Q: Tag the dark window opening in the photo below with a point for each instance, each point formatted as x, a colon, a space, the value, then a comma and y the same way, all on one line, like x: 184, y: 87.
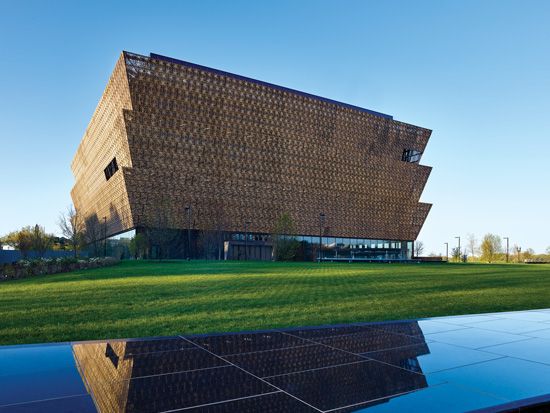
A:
x: 111, y: 169
x: 411, y: 155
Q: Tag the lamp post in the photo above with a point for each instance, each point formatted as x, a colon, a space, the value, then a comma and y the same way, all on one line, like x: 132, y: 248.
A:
x: 104, y: 237
x: 246, y: 224
x: 447, y: 250
x: 321, y: 224
x: 188, y: 211
x: 507, y: 247
x: 459, y: 250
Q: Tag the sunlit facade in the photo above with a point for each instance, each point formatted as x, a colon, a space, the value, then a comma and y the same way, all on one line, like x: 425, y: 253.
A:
x: 217, y: 159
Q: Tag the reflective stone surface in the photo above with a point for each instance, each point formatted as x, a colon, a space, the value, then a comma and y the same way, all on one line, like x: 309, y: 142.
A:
x: 71, y: 404
x: 475, y: 338
x: 246, y: 343
x: 349, y: 385
x: 35, y: 373
x: 506, y: 378
x: 488, y: 362
x: 370, y: 341
x: 429, y: 359
x: 289, y: 360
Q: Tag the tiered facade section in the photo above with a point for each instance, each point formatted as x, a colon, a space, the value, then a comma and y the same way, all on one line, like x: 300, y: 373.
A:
x: 239, y: 150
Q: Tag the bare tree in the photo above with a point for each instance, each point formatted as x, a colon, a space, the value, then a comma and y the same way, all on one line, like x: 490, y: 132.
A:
x: 419, y: 248
x: 472, y: 244
x: 72, y: 227
x: 528, y: 254
x: 455, y: 253
x: 93, y: 234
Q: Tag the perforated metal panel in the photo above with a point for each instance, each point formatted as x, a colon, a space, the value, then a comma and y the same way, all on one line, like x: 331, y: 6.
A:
x: 188, y: 135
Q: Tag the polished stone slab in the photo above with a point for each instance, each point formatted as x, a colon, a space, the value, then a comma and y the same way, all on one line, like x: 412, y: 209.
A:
x: 467, y: 319
x: 246, y: 343
x: 505, y: 378
x: 71, y: 404
x: 539, y: 333
x: 289, y: 360
x: 537, y: 316
x: 278, y: 402
x: 325, y: 332
x: 513, y: 326
x: 476, y: 338
x: 430, y: 358
x: 446, y: 397
x: 487, y: 362
x: 180, y: 390
x: 369, y: 341
x: 426, y: 327
x: 351, y: 384
x: 35, y: 373
x: 535, y: 349
x: 148, y: 364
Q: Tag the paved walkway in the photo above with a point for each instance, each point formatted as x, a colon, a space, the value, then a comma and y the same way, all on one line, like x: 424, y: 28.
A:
x: 490, y: 362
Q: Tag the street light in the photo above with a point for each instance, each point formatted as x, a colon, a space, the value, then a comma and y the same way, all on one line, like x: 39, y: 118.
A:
x: 104, y: 237
x: 507, y: 247
x: 459, y: 250
x: 321, y: 224
x: 447, y: 250
x: 246, y: 224
x: 188, y: 211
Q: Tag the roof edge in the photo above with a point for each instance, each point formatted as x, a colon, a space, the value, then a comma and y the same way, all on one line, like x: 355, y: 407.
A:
x: 267, y: 84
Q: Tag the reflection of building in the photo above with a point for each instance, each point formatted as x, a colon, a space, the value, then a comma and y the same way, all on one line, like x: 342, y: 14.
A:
x: 240, y: 152
x: 101, y: 371
x: 161, y: 374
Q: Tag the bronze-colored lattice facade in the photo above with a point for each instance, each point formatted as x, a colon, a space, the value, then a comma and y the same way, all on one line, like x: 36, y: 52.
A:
x: 246, y: 150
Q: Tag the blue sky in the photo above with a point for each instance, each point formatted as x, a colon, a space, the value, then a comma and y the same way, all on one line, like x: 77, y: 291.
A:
x: 475, y: 72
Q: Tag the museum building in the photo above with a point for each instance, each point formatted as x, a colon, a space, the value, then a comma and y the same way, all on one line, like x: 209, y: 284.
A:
x: 206, y: 163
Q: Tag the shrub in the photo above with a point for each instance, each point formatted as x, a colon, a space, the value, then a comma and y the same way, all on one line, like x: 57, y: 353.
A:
x: 44, y: 266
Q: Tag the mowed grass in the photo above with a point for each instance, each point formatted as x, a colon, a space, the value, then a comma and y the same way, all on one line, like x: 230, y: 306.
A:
x: 135, y: 299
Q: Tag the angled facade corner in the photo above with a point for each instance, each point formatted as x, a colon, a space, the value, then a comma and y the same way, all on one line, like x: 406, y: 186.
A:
x: 105, y: 142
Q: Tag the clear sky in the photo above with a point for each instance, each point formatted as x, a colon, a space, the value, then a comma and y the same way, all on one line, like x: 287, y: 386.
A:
x: 475, y: 72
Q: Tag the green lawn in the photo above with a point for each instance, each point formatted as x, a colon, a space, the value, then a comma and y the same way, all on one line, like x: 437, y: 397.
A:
x: 136, y: 299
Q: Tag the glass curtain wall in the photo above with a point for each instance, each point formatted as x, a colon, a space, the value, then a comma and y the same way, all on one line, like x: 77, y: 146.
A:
x: 337, y: 248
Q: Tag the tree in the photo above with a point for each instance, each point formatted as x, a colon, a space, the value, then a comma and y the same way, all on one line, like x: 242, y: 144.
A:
x: 491, y: 246
x: 93, y: 235
x: 419, y: 248
x: 455, y: 254
x: 138, y: 246
x: 472, y: 244
x: 285, y: 244
x: 41, y: 242
x: 72, y: 227
x: 528, y: 253
x: 21, y: 240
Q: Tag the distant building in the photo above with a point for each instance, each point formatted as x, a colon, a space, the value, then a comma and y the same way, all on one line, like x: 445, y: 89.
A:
x: 218, y: 158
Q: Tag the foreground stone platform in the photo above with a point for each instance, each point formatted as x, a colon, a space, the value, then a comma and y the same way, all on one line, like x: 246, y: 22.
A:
x: 487, y: 362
